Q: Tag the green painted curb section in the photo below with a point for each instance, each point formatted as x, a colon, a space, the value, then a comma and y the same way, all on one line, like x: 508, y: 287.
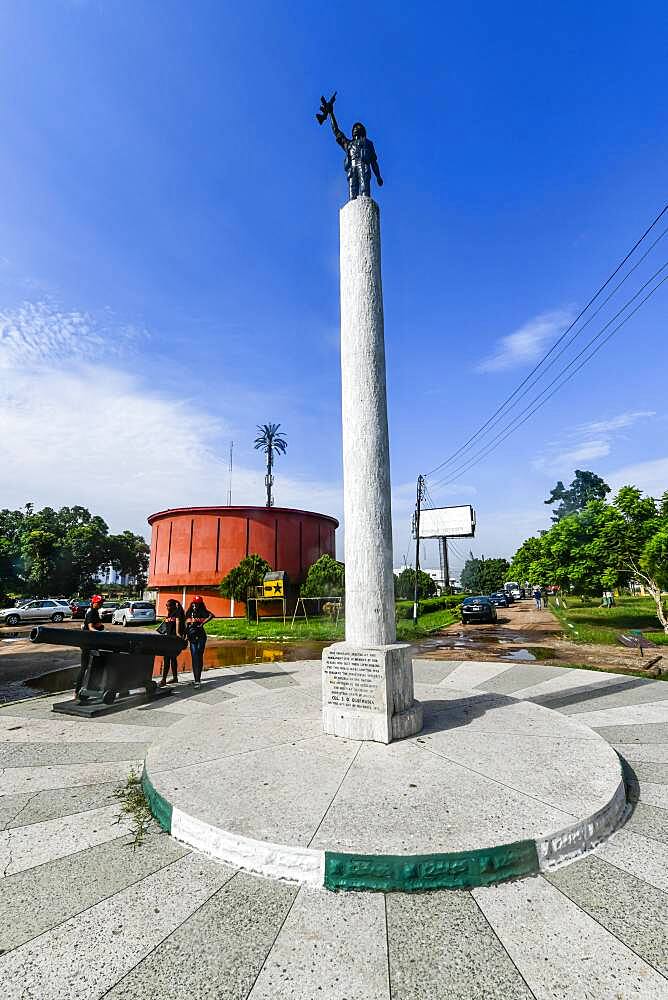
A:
x: 161, y: 808
x: 422, y: 872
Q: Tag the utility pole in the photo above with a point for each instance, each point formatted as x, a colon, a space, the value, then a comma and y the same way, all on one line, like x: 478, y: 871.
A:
x: 418, y: 505
x: 445, y: 567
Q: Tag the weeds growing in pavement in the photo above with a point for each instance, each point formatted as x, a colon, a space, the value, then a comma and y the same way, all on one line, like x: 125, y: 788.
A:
x: 133, y: 804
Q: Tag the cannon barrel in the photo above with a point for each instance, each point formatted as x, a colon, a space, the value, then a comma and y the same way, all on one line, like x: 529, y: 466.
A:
x: 151, y: 643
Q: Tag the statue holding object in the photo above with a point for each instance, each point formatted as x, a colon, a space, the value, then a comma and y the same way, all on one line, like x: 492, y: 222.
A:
x: 361, y: 156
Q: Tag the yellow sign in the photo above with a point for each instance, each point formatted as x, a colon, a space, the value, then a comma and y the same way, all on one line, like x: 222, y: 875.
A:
x: 273, y: 588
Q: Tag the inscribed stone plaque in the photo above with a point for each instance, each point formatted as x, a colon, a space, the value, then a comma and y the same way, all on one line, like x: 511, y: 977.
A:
x: 355, y: 679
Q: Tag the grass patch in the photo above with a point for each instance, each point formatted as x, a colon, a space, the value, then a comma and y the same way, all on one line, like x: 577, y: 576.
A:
x: 319, y: 629
x: 584, y: 623
x: 133, y: 804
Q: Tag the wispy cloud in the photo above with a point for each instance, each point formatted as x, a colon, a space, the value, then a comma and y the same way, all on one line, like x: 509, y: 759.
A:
x: 588, y: 441
x: 39, y: 334
x: 527, y: 343
x: 651, y: 477
x: 100, y: 436
x: 617, y: 423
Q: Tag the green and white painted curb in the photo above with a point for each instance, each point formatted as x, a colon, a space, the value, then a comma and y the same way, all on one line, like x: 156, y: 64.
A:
x: 390, y: 873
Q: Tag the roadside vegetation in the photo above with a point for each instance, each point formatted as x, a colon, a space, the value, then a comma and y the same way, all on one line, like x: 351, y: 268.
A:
x: 322, y: 629
x: 596, y: 545
x: 586, y: 620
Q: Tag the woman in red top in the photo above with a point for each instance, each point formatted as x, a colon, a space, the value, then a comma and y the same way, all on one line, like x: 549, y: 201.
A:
x: 197, y: 616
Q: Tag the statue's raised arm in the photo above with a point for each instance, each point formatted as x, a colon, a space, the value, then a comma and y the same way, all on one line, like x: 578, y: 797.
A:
x: 361, y: 156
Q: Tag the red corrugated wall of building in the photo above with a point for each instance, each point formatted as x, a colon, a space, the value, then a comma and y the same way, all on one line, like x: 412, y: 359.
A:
x: 193, y: 548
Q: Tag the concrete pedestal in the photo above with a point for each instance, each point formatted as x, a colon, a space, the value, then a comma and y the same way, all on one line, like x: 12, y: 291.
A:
x: 367, y: 692
x: 368, y: 679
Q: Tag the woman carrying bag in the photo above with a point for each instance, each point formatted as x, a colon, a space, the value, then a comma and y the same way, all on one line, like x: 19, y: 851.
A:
x: 174, y: 624
x: 196, y: 618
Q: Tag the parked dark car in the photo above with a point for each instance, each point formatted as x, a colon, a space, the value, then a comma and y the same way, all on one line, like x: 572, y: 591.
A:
x: 79, y: 608
x: 477, y: 609
x: 499, y: 600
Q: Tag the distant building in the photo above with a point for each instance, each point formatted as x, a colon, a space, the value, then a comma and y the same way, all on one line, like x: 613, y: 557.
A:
x: 193, y: 548
x: 436, y: 576
x: 108, y: 576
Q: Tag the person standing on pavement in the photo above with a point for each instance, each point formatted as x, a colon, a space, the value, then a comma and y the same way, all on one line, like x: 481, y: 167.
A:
x: 543, y: 594
x: 538, y: 598
x: 91, y: 623
x: 197, y: 616
x: 175, y: 624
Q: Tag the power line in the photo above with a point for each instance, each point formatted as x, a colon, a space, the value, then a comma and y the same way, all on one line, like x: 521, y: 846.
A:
x: 536, y: 367
x: 509, y: 429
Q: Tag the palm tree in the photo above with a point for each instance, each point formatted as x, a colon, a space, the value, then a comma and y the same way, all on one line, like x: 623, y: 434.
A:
x: 270, y: 440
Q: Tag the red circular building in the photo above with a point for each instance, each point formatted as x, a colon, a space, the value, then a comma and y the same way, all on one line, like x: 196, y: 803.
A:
x: 193, y: 548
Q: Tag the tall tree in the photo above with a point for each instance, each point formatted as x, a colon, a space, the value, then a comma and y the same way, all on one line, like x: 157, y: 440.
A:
x: 325, y: 578
x: 128, y: 554
x: 585, y: 487
x: 404, y: 585
x: 244, y: 577
x: 604, y: 545
x: 484, y: 576
x: 270, y: 440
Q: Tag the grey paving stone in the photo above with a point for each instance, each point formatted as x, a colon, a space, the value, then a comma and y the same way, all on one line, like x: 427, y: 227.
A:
x: 84, y: 957
x: 521, y: 676
x: 50, y: 754
x: 276, y: 680
x: 657, y: 773
x: 206, y: 696
x: 33, y: 901
x: 441, y: 946
x: 218, y: 952
x: 648, y: 732
x: 634, y: 911
x: 331, y: 946
x: 635, y: 691
x: 160, y: 718
x: 560, y: 950
x: 37, y: 807
x: 433, y: 671
x: 650, y: 821
x: 586, y: 693
x: 10, y: 805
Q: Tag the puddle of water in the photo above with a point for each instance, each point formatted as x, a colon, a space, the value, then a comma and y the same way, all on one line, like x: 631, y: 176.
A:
x: 216, y: 655
x: 519, y: 654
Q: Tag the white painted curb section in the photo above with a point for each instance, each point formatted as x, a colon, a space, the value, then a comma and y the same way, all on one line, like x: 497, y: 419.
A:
x: 296, y: 864
x: 582, y: 837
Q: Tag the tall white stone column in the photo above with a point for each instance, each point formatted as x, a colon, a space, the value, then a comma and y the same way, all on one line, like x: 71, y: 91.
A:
x: 368, y: 679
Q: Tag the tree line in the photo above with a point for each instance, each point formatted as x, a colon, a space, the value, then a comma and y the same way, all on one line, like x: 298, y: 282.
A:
x: 54, y: 552
x: 596, y: 543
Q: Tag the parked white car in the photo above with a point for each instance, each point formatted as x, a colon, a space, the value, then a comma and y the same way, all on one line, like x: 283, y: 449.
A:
x: 34, y: 611
x: 134, y: 613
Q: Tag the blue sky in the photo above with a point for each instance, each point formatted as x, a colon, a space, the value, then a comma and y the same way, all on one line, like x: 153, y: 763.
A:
x: 169, y: 246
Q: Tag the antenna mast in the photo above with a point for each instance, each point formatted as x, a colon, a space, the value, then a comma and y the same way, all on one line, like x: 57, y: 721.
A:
x: 229, y: 490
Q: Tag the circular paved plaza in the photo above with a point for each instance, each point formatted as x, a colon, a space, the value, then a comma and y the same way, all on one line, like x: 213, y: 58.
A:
x: 84, y: 914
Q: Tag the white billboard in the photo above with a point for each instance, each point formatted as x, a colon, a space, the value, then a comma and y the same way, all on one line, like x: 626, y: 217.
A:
x: 448, y: 522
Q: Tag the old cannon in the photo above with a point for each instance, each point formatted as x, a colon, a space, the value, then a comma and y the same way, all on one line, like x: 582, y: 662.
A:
x: 112, y: 662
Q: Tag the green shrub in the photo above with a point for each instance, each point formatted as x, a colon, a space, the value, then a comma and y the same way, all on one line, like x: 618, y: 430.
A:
x: 428, y: 605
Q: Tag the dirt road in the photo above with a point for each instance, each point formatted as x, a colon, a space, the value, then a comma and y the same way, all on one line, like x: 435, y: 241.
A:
x: 523, y: 633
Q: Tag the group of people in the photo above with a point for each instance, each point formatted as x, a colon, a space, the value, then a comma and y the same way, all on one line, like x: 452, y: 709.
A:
x: 188, y: 625
x: 540, y: 596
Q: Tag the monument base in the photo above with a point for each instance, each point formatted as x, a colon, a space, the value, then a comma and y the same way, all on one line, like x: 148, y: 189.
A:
x: 367, y: 692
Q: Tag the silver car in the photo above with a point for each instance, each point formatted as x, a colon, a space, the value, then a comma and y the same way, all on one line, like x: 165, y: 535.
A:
x: 34, y: 611
x: 134, y: 613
